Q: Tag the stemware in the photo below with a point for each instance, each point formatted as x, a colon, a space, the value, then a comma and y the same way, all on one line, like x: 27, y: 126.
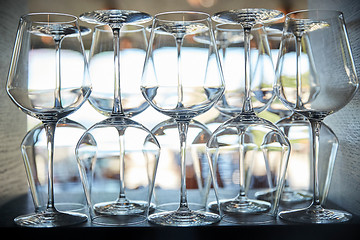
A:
x: 231, y: 135
x: 168, y: 177
x: 296, y: 127
x: 337, y: 84
x: 182, y: 78
x: 230, y: 40
x: 66, y: 175
x: 118, y: 52
x: 133, y: 43
x: 48, y: 88
x: 297, y: 187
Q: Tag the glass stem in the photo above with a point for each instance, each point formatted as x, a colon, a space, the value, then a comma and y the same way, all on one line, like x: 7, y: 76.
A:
x: 183, y: 129
x: 298, y: 72
x: 122, y: 197
x: 50, y: 134
x: 242, y: 193
x: 117, y: 108
x: 57, y: 93
x: 179, y: 41
x: 315, y: 143
x: 247, y: 107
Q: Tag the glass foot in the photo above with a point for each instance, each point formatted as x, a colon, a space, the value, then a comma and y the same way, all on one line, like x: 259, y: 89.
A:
x: 315, y: 214
x: 184, y: 218
x: 50, y: 219
x: 122, y: 208
x: 244, y: 212
x: 288, y: 196
x: 243, y: 206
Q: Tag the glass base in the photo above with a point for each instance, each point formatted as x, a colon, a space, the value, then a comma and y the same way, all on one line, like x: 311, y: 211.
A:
x: 50, y: 219
x: 247, y: 211
x: 175, y: 205
x: 122, y: 208
x: 315, y: 214
x: 287, y: 196
x: 188, y: 218
x: 247, y: 206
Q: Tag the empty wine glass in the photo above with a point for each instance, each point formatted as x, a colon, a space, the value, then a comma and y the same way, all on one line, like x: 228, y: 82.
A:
x: 123, y: 51
x: 231, y: 135
x: 182, y: 78
x: 133, y: 44
x: 296, y: 127
x: 49, y: 88
x: 66, y: 175
x: 230, y: 40
x: 337, y: 84
x: 168, y: 177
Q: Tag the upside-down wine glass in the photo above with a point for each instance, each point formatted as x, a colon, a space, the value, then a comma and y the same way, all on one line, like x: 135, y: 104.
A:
x: 49, y: 92
x: 326, y: 32
x: 241, y: 208
x: 128, y: 42
x: 182, y: 78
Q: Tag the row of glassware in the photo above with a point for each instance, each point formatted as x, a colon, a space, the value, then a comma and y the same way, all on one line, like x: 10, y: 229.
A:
x: 129, y: 173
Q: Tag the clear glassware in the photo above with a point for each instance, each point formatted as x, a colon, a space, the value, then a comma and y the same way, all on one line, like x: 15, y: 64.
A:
x: 182, y: 78
x: 168, y: 175
x: 116, y: 168
x: 337, y: 84
x: 48, y: 80
x: 66, y: 175
x: 231, y: 137
x: 298, y: 187
x: 122, y: 48
x: 133, y: 44
x: 230, y: 40
x: 296, y: 127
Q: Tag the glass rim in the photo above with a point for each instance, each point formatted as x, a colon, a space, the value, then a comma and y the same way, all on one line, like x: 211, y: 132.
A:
x: 206, y: 16
x: 335, y: 12
x: 72, y: 18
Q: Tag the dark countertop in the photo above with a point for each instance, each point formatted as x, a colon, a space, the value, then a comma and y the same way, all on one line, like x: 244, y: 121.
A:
x: 277, y: 229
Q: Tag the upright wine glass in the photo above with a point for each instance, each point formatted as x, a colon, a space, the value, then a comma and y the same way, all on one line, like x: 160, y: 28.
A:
x: 337, y: 80
x: 182, y: 78
x: 231, y: 134
x: 49, y: 91
x: 117, y: 55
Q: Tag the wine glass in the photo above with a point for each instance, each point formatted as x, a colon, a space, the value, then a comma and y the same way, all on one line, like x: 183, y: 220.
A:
x: 182, y: 78
x: 168, y: 177
x: 117, y: 53
x: 66, y: 174
x: 230, y: 137
x: 133, y: 44
x: 49, y: 89
x: 337, y: 80
x: 296, y: 127
x: 230, y: 40
x: 298, y: 183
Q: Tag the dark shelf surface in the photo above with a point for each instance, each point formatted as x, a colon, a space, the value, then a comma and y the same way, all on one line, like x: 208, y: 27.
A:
x: 277, y: 229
